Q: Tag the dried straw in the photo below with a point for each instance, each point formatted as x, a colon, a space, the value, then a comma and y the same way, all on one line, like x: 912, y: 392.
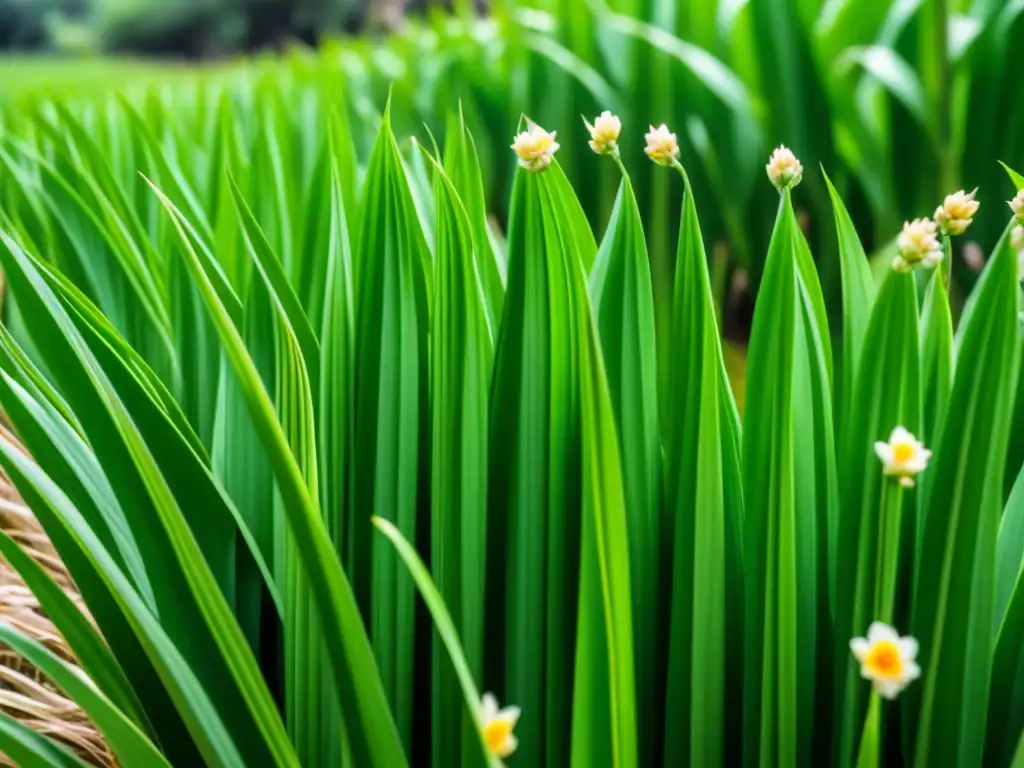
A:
x: 24, y: 693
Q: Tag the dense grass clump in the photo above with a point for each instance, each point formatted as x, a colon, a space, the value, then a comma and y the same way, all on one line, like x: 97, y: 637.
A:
x: 329, y: 451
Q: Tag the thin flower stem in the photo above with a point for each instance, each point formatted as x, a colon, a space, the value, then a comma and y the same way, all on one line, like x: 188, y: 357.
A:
x: 947, y: 259
x: 618, y: 162
x: 868, y: 756
x: 682, y: 172
x: 889, y: 521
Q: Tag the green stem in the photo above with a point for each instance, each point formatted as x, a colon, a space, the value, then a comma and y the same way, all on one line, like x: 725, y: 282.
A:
x: 618, y: 162
x: 940, y: 29
x: 888, y: 549
x: 870, y: 738
x: 947, y: 259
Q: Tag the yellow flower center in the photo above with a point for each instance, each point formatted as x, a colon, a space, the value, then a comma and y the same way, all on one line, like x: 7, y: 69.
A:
x: 883, y: 660
x: 495, y: 733
x: 902, y: 453
x: 536, y: 146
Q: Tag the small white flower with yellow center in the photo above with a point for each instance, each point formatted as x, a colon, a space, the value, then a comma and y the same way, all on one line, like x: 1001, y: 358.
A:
x: 604, y: 133
x: 886, y: 659
x: 903, y: 456
x: 535, y: 148
x: 784, y: 170
x: 918, y: 244
x: 1017, y: 205
x: 956, y: 213
x: 662, y: 146
x: 498, y: 725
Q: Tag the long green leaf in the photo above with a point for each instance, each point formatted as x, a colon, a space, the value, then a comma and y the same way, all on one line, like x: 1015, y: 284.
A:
x: 462, y: 354
x: 859, y: 291
x: 392, y: 280
x: 960, y: 524
x: 534, y: 469
x: 446, y: 630
x: 126, y: 741
x: 784, y: 542
x: 886, y: 394
x: 30, y: 750
x: 355, y: 674
x: 83, y: 639
x: 623, y: 301
x: 702, y: 531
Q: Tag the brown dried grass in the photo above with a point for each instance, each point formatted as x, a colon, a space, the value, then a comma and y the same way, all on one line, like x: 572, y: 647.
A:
x: 24, y: 693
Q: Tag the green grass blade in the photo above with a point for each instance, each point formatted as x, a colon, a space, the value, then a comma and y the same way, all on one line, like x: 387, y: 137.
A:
x: 960, y: 528
x: 393, y: 290
x: 462, y: 165
x: 447, y: 632
x: 937, y: 363
x: 126, y: 741
x: 604, y: 723
x: 88, y: 558
x: 702, y: 530
x: 30, y: 750
x: 623, y: 302
x: 886, y: 394
x: 374, y: 738
x: 185, y: 586
x: 535, y: 472
x: 784, y: 547
x: 462, y: 354
x: 859, y: 291
x: 86, y: 643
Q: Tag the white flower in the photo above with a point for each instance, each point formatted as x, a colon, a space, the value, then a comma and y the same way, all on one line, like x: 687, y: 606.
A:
x: 918, y: 245
x: 784, y: 169
x: 886, y: 659
x: 498, y: 726
x: 604, y: 133
x: 1017, y: 205
x: 535, y: 148
x: 662, y: 146
x: 903, y: 456
x: 956, y: 213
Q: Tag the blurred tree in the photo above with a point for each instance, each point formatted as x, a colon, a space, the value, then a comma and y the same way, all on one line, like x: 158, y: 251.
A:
x: 193, y: 28
x: 23, y: 23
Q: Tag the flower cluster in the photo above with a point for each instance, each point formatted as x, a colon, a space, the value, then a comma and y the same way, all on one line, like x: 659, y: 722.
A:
x: 1017, y: 205
x: 918, y: 244
x: 956, y: 213
x: 662, y: 146
x: 784, y: 170
x: 535, y: 148
x: 604, y: 133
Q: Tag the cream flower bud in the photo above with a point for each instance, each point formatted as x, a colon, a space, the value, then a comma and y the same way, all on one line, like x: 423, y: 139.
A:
x: 1017, y: 205
x: 662, y: 146
x: 535, y: 148
x: 784, y: 170
x: 918, y: 244
x: 604, y: 133
x: 956, y: 213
